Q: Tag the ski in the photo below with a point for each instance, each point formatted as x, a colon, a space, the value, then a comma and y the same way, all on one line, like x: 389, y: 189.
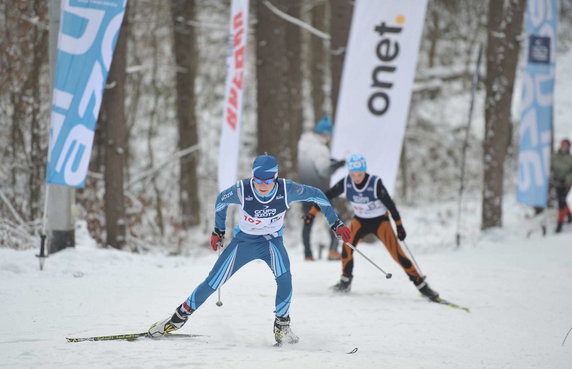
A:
x: 282, y: 344
x: 451, y: 304
x: 132, y: 337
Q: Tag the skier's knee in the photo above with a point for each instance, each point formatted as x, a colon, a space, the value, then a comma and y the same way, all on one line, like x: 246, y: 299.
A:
x: 284, y: 279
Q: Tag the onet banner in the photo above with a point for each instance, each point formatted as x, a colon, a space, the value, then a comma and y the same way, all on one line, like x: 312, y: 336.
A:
x: 376, y: 84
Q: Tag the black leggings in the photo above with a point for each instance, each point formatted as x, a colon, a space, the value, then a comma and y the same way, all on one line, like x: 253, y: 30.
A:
x: 563, y: 210
x: 307, y: 229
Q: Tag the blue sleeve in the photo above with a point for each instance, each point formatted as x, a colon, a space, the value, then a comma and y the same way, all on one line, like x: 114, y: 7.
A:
x: 297, y: 192
x: 231, y: 195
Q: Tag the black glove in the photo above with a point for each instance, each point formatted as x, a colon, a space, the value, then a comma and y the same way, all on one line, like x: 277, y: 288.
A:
x: 335, y: 164
x: 401, y: 234
x: 308, y: 218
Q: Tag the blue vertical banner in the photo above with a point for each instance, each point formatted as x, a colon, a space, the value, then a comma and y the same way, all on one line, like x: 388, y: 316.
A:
x: 86, y: 40
x: 541, y: 25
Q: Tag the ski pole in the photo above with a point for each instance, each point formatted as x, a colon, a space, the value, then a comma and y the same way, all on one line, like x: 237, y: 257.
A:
x: 413, y: 259
x: 387, y: 275
x: 219, y: 302
x: 566, y: 336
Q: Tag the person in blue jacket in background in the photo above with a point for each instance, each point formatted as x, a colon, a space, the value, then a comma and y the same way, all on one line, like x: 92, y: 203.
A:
x: 263, y: 199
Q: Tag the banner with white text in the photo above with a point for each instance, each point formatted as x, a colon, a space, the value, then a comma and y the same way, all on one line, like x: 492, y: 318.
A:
x: 86, y: 40
x: 536, y: 119
x: 376, y: 84
x: 232, y: 111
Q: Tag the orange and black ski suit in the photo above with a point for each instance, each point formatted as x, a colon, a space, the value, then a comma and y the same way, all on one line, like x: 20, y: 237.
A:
x: 379, y: 225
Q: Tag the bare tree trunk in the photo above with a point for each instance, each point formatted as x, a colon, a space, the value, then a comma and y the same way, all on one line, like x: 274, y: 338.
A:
x: 90, y: 196
x: 318, y: 62
x: 404, y: 172
x: 24, y: 54
x: 294, y: 80
x: 433, y: 34
x: 151, y: 132
x: 272, y: 91
x: 185, y: 51
x: 505, y: 26
x: 113, y: 108
x: 340, y: 20
x: 37, y: 154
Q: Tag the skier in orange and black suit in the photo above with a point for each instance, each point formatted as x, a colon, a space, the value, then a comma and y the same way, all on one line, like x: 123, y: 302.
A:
x: 371, y: 203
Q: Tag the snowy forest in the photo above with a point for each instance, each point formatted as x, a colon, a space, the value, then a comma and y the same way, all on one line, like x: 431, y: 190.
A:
x: 152, y: 178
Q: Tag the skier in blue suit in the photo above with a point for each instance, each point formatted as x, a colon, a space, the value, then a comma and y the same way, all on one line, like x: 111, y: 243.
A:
x: 263, y: 200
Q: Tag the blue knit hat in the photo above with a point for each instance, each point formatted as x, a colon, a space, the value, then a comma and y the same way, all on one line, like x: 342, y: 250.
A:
x: 356, y: 163
x: 324, y: 127
x: 265, y: 167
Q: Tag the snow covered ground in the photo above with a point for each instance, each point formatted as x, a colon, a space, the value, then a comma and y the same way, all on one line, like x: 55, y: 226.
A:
x: 518, y: 289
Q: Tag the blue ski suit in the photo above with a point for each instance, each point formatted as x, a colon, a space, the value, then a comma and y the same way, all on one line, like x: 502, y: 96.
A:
x: 258, y: 235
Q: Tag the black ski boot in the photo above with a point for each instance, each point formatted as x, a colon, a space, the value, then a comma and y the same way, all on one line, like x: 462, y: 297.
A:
x: 558, y: 228
x: 426, y: 291
x: 344, y: 285
x: 282, y: 332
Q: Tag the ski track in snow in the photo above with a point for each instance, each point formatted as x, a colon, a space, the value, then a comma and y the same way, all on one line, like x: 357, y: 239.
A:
x: 518, y: 290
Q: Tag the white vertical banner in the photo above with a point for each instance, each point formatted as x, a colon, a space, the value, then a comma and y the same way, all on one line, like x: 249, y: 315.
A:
x: 233, y: 95
x: 376, y: 84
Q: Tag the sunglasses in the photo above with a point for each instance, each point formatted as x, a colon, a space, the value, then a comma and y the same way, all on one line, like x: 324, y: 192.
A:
x: 265, y: 181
